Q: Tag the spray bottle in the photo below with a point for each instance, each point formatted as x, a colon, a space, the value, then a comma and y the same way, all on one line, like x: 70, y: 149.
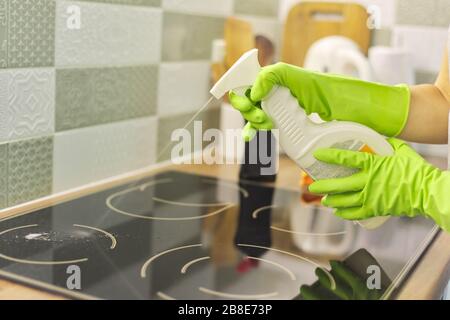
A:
x: 298, y: 135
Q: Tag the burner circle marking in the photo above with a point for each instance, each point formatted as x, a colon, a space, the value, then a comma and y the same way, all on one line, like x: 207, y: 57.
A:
x: 309, y: 233
x: 142, y: 187
x: 333, y: 282
x: 42, y: 262
x: 25, y: 261
x: 164, y: 296
x: 190, y: 263
x: 257, y: 211
x: 238, y: 296
x: 316, y: 234
x: 231, y: 295
x: 147, y: 263
x: 229, y: 205
x: 188, y: 204
x: 109, y: 235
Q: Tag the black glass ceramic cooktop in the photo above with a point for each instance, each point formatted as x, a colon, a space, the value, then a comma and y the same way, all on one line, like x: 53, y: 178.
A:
x: 183, y: 236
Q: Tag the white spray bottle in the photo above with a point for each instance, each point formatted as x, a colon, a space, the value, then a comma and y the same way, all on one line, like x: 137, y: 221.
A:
x: 298, y: 135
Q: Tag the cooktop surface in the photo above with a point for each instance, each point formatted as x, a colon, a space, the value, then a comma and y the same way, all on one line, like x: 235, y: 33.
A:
x: 181, y: 236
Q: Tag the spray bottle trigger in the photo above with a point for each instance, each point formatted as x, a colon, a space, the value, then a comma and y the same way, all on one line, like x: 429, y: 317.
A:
x: 242, y: 91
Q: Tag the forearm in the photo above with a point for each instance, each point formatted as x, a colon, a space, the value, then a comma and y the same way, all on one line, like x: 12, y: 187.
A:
x: 428, y: 116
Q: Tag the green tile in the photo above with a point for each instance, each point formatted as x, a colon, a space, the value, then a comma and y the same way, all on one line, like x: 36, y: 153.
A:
x: 416, y: 12
x: 31, y: 33
x: 3, y: 33
x: 442, y: 14
x: 268, y: 8
x: 86, y: 97
x: 381, y: 37
x: 209, y: 118
x: 423, y: 77
x: 30, y: 169
x: 189, y: 37
x: 152, y: 3
x: 3, y: 176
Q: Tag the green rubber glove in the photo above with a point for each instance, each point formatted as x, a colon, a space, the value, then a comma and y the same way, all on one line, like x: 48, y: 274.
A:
x: 252, y: 112
x: 383, y: 108
x: 402, y: 184
x: 349, y: 286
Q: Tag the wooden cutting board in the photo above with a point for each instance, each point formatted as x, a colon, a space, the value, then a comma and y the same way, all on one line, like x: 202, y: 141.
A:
x: 239, y: 38
x: 308, y: 22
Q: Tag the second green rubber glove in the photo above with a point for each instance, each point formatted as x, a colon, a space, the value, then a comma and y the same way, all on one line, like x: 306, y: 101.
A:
x: 402, y: 184
x: 383, y: 108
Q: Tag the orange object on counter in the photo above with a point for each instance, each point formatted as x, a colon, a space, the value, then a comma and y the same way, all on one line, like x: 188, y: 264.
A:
x: 306, y: 181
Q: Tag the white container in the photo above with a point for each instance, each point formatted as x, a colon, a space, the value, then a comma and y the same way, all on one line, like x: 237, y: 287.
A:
x: 298, y: 135
x: 338, y: 55
x: 392, y: 65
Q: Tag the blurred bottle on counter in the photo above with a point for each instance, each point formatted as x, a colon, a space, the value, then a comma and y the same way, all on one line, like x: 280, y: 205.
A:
x: 263, y: 141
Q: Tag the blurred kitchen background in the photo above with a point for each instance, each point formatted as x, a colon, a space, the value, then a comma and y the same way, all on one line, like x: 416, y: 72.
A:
x: 90, y: 98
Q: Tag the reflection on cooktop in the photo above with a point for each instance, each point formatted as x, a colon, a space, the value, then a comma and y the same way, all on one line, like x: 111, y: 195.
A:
x: 182, y: 236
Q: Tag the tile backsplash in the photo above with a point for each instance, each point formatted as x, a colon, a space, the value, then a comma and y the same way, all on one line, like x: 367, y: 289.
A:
x: 91, y: 96
x: 99, y: 152
x: 27, y: 100
x: 90, y: 89
x: 30, y: 169
x: 30, y: 32
x: 109, y: 35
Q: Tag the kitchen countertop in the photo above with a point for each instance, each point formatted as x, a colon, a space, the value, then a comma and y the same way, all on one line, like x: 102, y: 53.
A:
x: 427, y: 280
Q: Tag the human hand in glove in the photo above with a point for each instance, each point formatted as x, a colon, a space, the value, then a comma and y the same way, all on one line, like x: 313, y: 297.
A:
x: 401, y: 184
x: 384, y: 108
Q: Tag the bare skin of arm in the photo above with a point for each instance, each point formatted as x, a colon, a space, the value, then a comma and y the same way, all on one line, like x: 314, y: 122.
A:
x: 429, y: 107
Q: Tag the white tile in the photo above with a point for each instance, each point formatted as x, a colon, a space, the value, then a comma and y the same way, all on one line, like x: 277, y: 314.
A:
x: 86, y: 155
x: 108, y: 35
x: 426, y: 44
x: 183, y: 87
x: 207, y: 7
x: 27, y: 103
x: 387, y: 9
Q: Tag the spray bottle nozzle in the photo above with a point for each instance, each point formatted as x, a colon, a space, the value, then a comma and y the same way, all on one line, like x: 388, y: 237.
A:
x: 242, y: 74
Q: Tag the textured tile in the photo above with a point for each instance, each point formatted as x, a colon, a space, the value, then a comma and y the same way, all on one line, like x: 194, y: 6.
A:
x: 425, y: 77
x: 31, y: 33
x: 3, y: 33
x: 190, y: 81
x: 257, y: 7
x: 381, y: 37
x: 416, y: 12
x: 426, y: 44
x: 167, y: 125
x: 3, y: 175
x: 89, y: 154
x: 27, y: 103
x: 29, y: 169
x: 86, y: 97
x: 207, y: 7
x: 109, y: 35
x: 442, y: 14
x: 189, y: 37
x: 153, y: 3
